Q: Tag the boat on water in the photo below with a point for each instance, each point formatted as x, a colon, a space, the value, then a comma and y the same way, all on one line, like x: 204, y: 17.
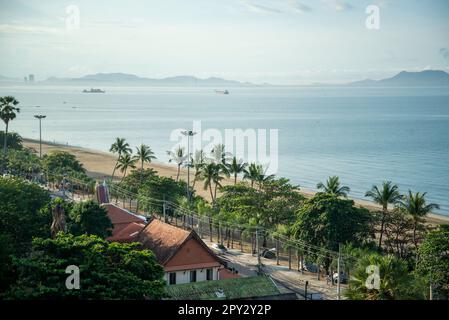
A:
x: 222, y: 91
x: 93, y: 90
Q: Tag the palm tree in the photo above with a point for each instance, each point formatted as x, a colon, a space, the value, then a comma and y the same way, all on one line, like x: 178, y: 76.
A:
x: 121, y: 147
x: 178, y: 157
x: 197, y: 162
x: 219, y: 154
x: 211, y: 174
x: 125, y: 162
x: 236, y: 167
x: 144, y: 154
x: 333, y: 187
x: 263, y: 178
x: 383, y: 277
x: 252, y: 173
x: 416, y: 206
x: 389, y: 194
x: 8, y: 112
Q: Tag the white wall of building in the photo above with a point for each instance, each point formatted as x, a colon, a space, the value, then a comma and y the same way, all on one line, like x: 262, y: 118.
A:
x: 184, y: 275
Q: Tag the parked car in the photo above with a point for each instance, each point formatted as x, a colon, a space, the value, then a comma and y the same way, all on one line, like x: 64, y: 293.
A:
x: 343, y: 278
x: 219, y: 248
x: 310, y: 267
x: 269, y: 253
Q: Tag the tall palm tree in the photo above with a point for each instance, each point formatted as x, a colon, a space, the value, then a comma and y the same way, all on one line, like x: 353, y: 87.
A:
x: 252, y: 173
x: 236, y: 167
x: 197, y: 162
x: 144, y: 154
x: 125, y: 162
x: 8, y: 112
x: 211, y: 174
x: 178, y: 157
x: 333, y: 187
x: 416, y: 206
x: 263, y: 178
x: 121, y: 147
x: 389, y: 194
x: 219, y: 154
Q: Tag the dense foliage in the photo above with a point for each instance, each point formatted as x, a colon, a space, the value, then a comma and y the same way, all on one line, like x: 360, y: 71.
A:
x: 107, y: 270
x: 395, y: 280
x: 326, y: 220
x: 21, y: 212
x: 433, y: 261
x: 89, y: 218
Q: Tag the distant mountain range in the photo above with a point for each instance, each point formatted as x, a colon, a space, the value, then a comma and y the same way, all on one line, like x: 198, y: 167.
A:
x: 427, y: 78
x: 131, y: 79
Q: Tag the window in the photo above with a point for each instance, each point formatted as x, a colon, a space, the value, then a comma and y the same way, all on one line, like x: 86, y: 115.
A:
x: 193, y: 276
x: 209, y: 274
x: 172, y: 278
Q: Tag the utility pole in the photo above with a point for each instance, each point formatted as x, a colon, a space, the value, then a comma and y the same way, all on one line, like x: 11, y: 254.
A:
x: 188, y: 134
x: 338, y: 272
x: 40, y: 117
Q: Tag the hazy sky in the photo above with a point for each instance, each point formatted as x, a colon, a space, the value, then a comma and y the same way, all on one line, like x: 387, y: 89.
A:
x: 276, y: 41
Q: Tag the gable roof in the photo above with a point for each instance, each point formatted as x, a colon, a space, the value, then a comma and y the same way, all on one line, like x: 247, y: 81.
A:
x: 127, y: 225
x: 166, y: 240
x: 119, y: 215
x: 126, y: 233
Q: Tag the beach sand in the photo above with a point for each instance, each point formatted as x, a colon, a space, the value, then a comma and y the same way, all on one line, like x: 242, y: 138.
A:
x: 99, y: 165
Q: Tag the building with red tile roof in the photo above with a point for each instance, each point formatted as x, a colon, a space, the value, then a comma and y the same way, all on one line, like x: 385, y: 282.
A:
x: 184, y: 256
x: 127, y: 225
x: 182, y: 253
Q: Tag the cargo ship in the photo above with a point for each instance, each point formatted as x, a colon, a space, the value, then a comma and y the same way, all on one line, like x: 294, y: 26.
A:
x: 92, y: 90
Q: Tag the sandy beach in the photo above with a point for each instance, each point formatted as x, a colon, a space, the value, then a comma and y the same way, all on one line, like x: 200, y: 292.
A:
x: 99, y: 165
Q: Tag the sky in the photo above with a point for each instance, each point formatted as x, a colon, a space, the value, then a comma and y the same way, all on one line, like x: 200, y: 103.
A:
x: 274, y: 41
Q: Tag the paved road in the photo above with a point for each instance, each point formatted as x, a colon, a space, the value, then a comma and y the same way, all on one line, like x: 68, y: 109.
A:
x: 288, y: 280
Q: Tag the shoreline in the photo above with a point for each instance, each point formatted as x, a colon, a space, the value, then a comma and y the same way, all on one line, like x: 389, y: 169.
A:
x: 99, y: 164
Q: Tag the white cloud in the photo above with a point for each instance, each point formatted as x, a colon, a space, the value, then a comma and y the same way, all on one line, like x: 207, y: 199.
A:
x: 258, y: 8
x: 337, y: 5
x: 298, y: 6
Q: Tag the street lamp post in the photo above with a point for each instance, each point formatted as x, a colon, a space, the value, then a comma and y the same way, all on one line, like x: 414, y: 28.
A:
x: 188, y: 133
x: 40, y: 117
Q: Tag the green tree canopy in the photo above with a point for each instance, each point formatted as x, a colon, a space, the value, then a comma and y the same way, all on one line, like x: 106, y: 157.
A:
x: 14, y: 140
x: 433, y: 261
x: 326, y: 220
x: 107, y: 270
x: 89, y: 218
x: 22, y: 212
x: 395, y: 281
x: 61, y: 162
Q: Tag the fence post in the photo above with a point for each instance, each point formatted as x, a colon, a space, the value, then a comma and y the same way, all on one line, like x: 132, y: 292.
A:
x: 289, y: 258
x: 277, y: 251
x: 241, y: 240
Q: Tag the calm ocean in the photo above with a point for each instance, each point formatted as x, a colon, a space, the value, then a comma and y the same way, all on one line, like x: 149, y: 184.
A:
x: 363, y: 135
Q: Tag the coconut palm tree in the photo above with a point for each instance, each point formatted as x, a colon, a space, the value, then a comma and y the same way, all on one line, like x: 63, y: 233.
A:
x: 219, y: 154
x: 383, y: 277
x: 8, y: 112
x: 125, y: 162
x: 389, y: 194
x: 197, y: 162
x: 236, y: 167
x: 178, y: 157
x: 144, y: 154
x: 252, y: 173
x: 211, y: 174
x: 333, y: 187
x: 121, y: 147
x: 416, y: 206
